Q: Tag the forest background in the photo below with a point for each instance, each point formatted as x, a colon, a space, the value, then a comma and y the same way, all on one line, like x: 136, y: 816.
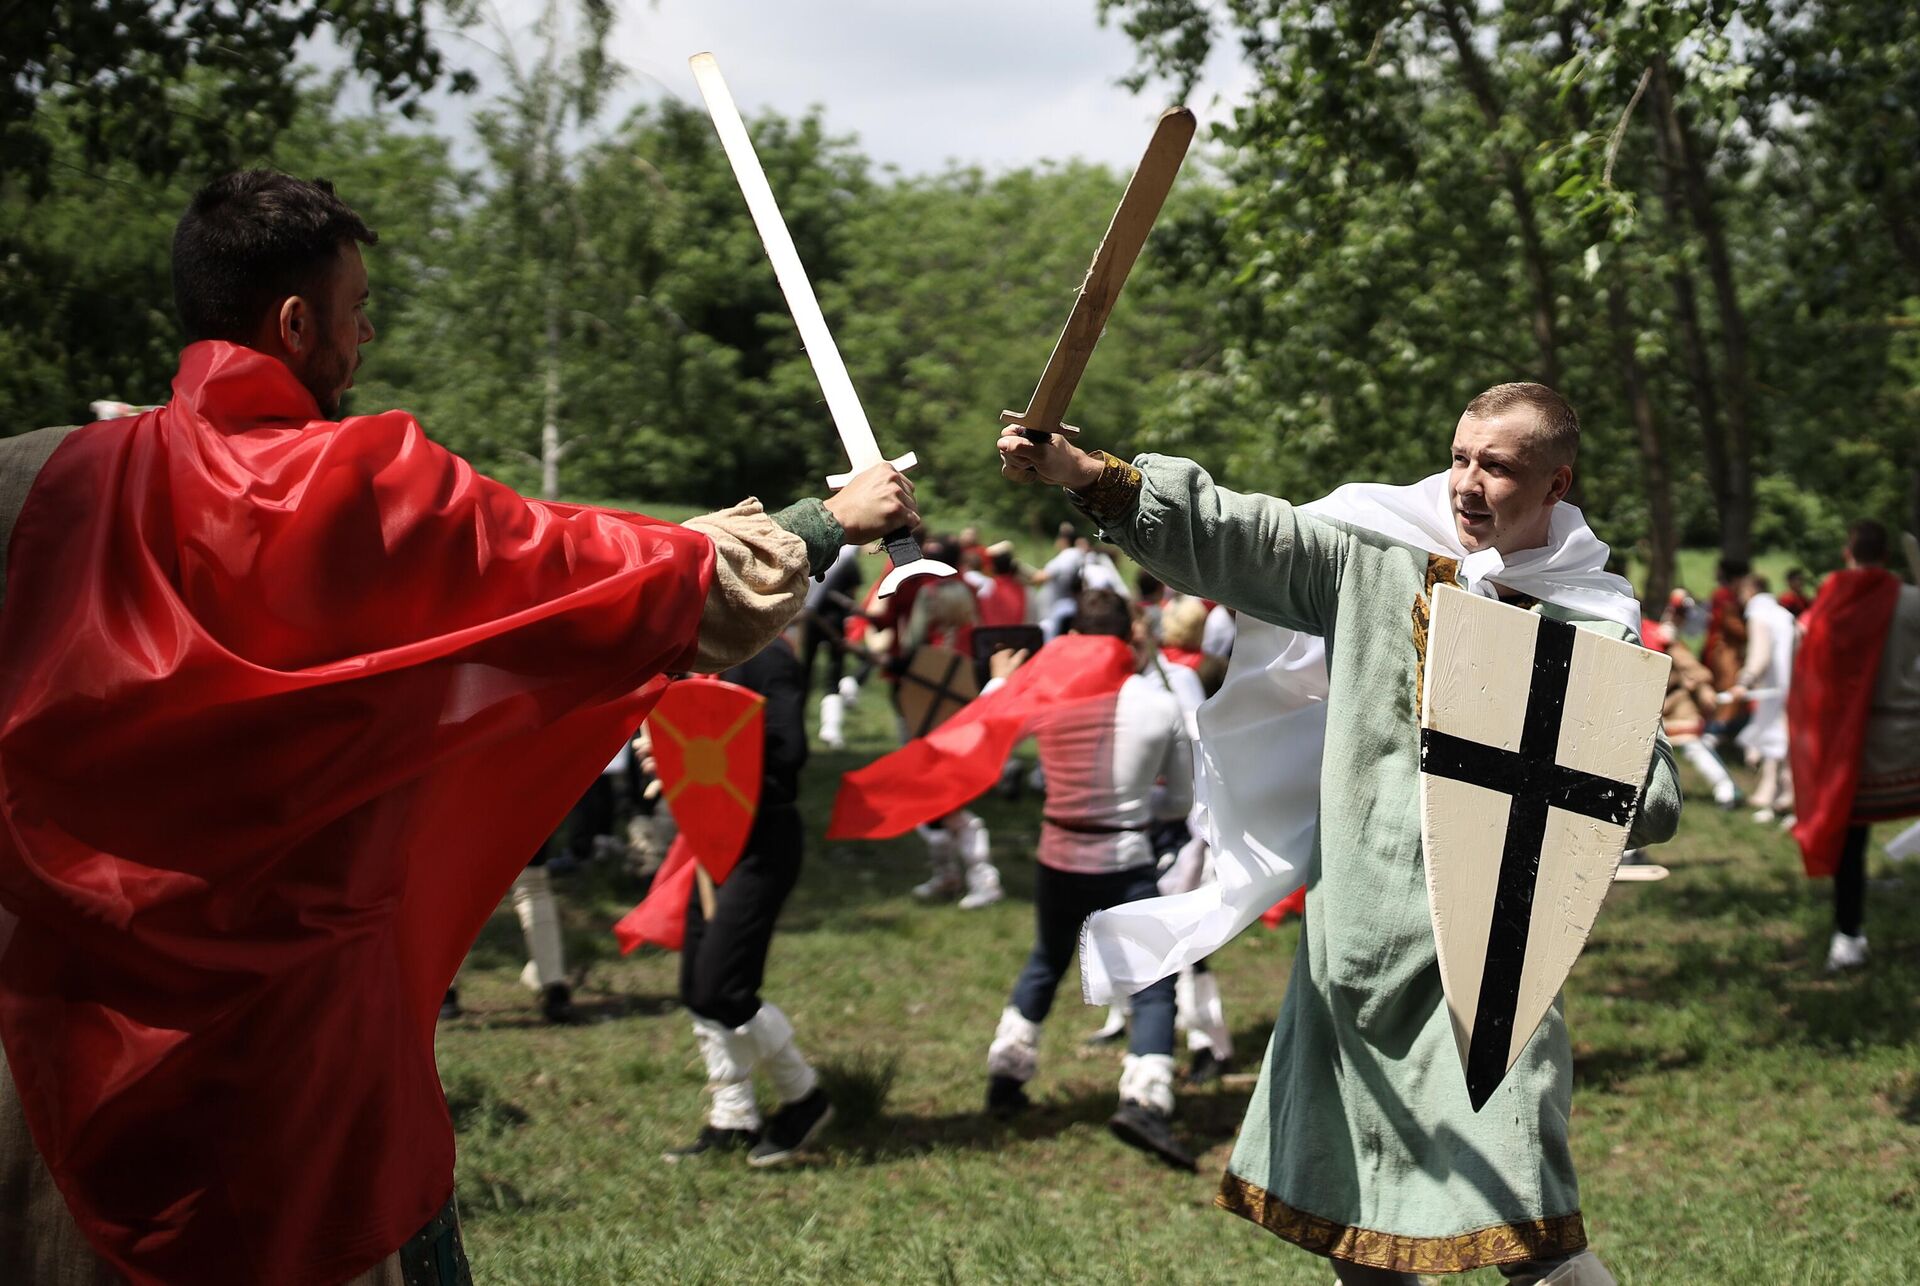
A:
x: 1700, y: 221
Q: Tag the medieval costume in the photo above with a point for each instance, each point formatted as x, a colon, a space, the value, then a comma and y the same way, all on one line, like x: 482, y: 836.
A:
x: 287, y: 702
x: 1767, y: 676
x: 1855, y: 709
x: 1689, y: 707
x: 1360, y: 1142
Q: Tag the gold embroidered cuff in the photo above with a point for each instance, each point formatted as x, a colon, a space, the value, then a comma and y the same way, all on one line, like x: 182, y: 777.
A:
x: 1114, y: 493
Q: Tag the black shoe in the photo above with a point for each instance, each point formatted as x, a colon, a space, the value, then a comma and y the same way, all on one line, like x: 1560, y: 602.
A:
x: 450, y: 1007
x: 1206, y: 1068
x: 1140, y: 1126
x: 713, y: 1139
x: 792, y: 1128
x: 1006, y: 1097
x: 556, y: 1004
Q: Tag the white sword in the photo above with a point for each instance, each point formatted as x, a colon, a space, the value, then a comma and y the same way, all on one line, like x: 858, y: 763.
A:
x: 843, y: 404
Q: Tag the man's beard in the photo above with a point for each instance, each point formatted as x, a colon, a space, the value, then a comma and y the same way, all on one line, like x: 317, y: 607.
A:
x: 326, y: 379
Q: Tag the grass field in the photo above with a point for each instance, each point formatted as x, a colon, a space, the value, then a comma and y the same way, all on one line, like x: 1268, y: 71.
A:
x: 1739, y: 1117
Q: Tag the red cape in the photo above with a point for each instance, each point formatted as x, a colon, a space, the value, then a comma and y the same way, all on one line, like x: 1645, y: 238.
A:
x: 1843, y: 634
x: 931, y: 776
x: 287, y: 703
x: 661, y: 916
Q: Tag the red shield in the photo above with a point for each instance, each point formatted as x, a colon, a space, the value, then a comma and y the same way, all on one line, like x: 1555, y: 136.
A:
x: 708, y: 744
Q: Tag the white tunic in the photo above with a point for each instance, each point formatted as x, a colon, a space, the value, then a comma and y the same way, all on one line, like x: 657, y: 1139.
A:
x: 1768, y: 673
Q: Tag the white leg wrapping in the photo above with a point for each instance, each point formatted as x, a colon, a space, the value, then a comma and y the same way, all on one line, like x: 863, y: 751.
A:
x: 943, y: 862
x: 540, y: 924
x: 1015, y: 1050
x: 1184, y: 1018
x: 1210, y: 1015
x: 1147, y: 1079
x: 1708, y: 765
x: 1584, y: 1269
x: 730, y: 1058
x: 833, y: 721
x: 772, y: 1035
x: 982, y: 876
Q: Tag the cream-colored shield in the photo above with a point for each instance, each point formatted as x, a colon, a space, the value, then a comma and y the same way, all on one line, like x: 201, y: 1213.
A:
x: 1534, y: 743
x: 936, y: 685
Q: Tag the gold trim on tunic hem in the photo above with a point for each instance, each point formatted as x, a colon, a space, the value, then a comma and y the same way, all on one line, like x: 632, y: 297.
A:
x: 1509, y: 1243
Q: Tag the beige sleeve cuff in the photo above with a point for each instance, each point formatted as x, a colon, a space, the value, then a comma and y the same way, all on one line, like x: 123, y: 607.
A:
x: 759, y: 584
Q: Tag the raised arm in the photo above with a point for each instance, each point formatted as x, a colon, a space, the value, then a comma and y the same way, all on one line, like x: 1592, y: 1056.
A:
x: 1257, y: 554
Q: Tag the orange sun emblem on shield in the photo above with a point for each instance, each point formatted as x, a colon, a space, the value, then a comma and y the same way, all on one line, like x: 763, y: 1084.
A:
x: 709, y: 745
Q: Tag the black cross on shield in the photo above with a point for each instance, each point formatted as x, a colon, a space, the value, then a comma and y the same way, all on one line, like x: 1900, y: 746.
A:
x: 1543, y: 769
x: 936, y: 685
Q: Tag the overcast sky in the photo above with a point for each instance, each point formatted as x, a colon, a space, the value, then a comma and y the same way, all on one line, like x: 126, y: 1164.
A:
x: 921, y: 82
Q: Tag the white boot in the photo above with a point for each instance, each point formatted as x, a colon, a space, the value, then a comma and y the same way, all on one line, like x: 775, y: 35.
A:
x: 1015, y: 1051
x: 945, y: 880
x: 1847, y: 951
x: 1208, y: 1016
x: 1708, y: 765
x: 983, y: 878
x: 772, y: 1035
x: 833, y: 722
x: 1147, y: 1079
x: 730, y: 1057
x: 540, y: 925
x: 849, y: 688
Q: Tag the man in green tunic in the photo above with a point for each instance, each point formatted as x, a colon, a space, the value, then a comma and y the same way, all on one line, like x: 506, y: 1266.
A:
x: 1360, y: 1143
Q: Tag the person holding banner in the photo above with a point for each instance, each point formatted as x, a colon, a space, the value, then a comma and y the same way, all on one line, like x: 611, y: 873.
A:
x: 1360, y: 1143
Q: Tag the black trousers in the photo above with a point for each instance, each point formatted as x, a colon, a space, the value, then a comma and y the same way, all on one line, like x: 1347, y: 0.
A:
x: 1850, y: 883
x: 1062, y: 901
x: 823, y: 629
x: 724, y: 960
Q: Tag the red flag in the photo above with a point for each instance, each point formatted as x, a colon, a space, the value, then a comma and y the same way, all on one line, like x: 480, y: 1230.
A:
x: 285, y: 704
x: 1843, y: 634
x: 709, y: 741
x: 931, y: 776
x: 661, y: 916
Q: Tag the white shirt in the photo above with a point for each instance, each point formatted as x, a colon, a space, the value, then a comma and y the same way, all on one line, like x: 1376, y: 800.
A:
x: 1217, y: 638
x: 1103, y: 758
x: 1063, y: 578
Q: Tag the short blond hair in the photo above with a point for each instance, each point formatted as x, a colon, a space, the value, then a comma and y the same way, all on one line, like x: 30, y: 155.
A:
x: 1556, y: 427
x: 1183, y: 623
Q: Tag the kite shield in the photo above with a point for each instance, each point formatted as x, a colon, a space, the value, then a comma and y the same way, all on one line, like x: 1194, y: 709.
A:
x: 936, y: 685
x: 708, y: 745
x: 1534, y: 743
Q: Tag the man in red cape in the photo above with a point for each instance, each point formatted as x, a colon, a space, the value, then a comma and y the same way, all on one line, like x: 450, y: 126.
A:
x: 1854, y: 709
x: 284, y: 703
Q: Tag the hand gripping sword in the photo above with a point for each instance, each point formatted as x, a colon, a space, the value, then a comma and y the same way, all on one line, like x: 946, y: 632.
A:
x: 843, y: 404
x: 1146, y: 193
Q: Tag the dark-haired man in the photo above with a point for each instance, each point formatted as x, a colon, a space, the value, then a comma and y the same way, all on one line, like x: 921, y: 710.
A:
x: 287, y: 701
x: 1855, y: 714
x: 1360, y: 1143
x: 1103, y: 759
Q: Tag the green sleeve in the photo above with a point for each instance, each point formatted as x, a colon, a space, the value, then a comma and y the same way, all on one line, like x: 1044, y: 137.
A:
x: 809, y: 520
x: 1254, y: 553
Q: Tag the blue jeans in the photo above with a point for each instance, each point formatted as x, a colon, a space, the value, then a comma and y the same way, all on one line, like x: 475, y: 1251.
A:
x: 1062, y: 900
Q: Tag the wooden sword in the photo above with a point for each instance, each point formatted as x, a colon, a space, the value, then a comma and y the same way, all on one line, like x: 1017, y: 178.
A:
x: 1132, y: 221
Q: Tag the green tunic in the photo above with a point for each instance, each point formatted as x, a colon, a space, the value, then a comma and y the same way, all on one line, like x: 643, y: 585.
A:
x: 1359, y: 1142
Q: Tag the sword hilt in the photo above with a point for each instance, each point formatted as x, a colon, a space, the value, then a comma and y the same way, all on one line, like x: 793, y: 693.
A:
x: 908, y: 562
x: 1032, y: 430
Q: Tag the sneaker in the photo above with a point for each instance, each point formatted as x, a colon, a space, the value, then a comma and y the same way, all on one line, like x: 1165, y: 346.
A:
x: 712, y: 1139
x: 1150, y: 1130
x: 1765, y: 816
x: 556, y: 1004
x: 792, y: 1128
x: 983, y: 887
x: 450, y: 1007
x: 1206, y: 1067
x: 1848, y: 951
x: 1789, y: 821
x: 1006, y: 1097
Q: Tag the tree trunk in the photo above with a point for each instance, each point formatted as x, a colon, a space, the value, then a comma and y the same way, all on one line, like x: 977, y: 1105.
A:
x: 1661, y: 540
x: 550, y: 449
x: 1688, y: 174
x: 1538, y: 269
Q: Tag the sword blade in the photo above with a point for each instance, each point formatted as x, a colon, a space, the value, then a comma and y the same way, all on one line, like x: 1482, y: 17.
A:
x: 1132, y: 221
x: 843, y: 404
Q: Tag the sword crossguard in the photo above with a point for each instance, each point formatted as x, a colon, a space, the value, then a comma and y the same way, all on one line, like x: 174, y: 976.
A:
x: 908, y: 562
x: 1026, y: 422
x: 902, y: 463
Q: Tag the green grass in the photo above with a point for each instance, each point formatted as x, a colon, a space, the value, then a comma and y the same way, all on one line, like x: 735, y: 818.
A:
x: 1739, y: 1117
